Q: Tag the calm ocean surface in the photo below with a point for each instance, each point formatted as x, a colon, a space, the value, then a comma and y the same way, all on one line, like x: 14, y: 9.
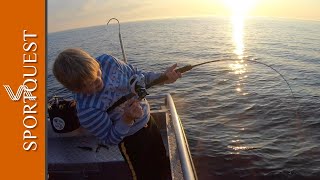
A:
x: 240, y: 118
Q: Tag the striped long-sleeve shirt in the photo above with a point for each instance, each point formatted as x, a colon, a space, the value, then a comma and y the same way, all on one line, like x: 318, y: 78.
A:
x: 109, y: 127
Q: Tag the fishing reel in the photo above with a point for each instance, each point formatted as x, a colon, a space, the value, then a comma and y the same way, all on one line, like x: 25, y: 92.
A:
x: 138, y: 86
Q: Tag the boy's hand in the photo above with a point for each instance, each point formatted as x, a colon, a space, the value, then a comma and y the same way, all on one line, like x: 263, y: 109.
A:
x: 172, y: 74
x: 132, y: 111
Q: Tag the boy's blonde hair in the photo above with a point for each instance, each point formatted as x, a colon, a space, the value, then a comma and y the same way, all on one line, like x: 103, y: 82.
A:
x: 74, y: 68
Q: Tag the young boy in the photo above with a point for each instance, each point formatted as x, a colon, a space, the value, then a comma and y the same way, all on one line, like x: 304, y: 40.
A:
x: 97, y: 84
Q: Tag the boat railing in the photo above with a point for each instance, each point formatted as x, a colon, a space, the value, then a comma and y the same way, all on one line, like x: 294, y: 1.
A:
x: 187, y: 165
x: 188, y: 169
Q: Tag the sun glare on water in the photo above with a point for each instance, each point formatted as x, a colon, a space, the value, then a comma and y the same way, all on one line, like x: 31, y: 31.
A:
x: 239, y: 9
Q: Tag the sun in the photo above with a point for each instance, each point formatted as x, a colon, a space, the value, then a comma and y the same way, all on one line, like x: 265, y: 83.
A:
x: 240, y: 7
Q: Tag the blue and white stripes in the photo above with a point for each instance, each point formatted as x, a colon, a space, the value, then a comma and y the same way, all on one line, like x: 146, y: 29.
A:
x: 92, y: 107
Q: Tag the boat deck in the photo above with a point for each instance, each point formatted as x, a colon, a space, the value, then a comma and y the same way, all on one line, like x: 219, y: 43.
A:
x: 76, y: 155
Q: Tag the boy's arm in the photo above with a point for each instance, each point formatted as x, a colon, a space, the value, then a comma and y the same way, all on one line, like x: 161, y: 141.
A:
x: 100, y: 125
x: 149, y: 75
x: 170, y: 72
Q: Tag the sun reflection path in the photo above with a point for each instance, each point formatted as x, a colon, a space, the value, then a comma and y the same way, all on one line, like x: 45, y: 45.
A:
x: 239, y: 9
x: 237, y: 30
x: 238, y: 67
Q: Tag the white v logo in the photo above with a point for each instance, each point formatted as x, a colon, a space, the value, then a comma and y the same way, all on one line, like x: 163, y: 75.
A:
x: 17, y: 96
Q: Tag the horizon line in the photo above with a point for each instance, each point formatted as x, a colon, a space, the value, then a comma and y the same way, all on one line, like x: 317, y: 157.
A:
x: 180, y: 17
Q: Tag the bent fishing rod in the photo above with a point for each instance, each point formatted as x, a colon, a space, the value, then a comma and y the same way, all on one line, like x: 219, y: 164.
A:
x: 141, y: 89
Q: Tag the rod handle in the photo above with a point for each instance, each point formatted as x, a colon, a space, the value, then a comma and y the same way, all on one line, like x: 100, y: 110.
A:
x: 184, y: 69
x: 163, y: 77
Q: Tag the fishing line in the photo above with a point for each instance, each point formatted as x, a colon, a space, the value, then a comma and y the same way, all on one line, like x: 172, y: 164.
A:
x: 257, y: 62
x: 120, y: 39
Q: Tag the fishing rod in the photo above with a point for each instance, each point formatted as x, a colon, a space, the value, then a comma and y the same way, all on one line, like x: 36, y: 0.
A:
x: 186, y: 68
x: 141, y: 89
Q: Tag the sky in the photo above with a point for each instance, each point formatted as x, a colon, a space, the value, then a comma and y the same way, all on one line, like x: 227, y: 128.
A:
x: 71, y: 14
